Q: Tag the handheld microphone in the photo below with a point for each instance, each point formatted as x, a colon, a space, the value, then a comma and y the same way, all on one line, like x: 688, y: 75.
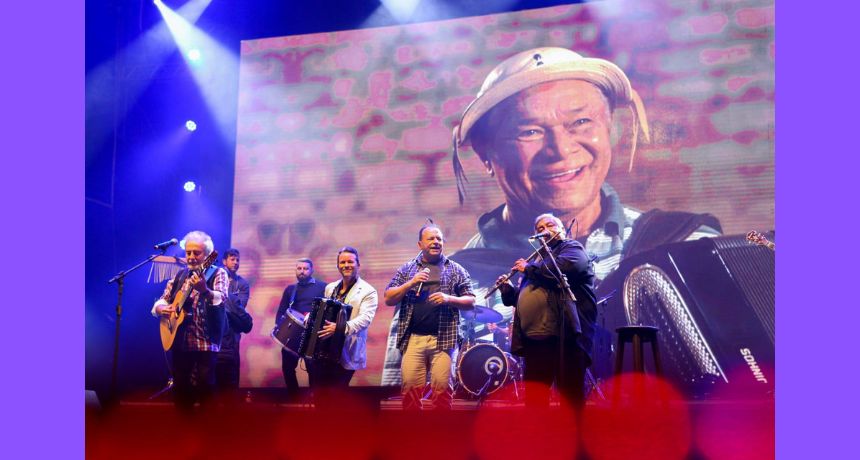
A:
x: 539, y: 235
x: 421, y: 284
x: 166, y: 244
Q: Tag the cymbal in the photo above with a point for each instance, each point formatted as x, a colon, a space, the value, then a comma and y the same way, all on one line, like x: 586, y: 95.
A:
x: 482, y: 315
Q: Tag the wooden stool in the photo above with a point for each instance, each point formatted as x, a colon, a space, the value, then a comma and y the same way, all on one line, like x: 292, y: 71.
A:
x: 637, y: 335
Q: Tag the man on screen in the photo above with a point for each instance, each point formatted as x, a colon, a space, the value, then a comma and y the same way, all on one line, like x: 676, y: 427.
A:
x: 541, y: 124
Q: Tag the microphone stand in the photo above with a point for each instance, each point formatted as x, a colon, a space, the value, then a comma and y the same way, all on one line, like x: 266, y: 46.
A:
x: 482, y: 393
x: 562, y: 280
x: 119, y: 278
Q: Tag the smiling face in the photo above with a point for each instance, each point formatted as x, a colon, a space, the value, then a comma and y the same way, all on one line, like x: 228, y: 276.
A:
x: 550, y: 225
x: 431, y: 244
x: 549, y: 146
x: 347, y: 265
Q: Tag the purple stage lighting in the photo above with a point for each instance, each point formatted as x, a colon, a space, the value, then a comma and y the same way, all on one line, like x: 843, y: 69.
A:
x: 191, y: 125
x: 190, y: 186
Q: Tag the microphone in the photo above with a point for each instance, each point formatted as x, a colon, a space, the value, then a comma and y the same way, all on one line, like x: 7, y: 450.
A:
x: 539, y: 235
x: 166, y: 244
x: 421, y: 284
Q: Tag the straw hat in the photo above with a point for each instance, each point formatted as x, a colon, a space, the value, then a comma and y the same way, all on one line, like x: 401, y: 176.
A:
x: 540, y: 65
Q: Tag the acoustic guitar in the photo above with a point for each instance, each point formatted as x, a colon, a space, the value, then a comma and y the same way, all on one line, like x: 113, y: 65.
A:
x: 170, y: 323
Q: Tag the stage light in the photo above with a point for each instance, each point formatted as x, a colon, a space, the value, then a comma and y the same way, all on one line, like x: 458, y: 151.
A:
x: 190, y: 186
x: 196, y: 47
x: 401, y: 9
x: 194, y: 55
x: 148, y: 51
x: 191, y: 125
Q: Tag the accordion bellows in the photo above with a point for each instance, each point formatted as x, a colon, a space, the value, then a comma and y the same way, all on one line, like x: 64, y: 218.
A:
x: 330, y: 348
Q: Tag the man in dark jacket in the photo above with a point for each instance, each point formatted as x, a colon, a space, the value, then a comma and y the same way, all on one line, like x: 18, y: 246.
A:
x: 298, y: 297
x: 553, y: 331
x: 238, y: 322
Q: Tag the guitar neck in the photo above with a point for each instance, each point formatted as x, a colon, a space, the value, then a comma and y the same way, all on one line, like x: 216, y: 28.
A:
x: 759, y: 239
x: 183, y: 293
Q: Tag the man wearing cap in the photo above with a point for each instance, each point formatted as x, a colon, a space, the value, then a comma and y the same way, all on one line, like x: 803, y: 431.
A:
x: 541, y: 125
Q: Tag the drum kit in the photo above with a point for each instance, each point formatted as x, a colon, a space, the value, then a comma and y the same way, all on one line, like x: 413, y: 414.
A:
x: 483, y: 368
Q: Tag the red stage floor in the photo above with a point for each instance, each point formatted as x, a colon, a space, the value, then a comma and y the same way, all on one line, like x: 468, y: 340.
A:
x: 367, y: 426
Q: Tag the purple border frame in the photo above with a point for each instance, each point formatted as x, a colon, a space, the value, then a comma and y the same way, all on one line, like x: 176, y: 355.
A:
x: 817, y: 373
x: 816, y: 386
x: 43, y: 97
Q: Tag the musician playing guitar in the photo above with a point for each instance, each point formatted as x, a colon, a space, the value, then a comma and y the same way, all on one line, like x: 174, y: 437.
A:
x: 198, y: 336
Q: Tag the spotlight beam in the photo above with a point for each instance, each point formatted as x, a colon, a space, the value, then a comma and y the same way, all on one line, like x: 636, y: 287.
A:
x: 211, y: 69
x: 149, y: 51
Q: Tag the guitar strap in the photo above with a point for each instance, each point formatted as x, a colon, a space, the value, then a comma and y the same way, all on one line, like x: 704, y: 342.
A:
x: 290, y: 306
x: 293, y: 297
x: 183, y: 275
x: 210, y: 272
x: 178, y: 282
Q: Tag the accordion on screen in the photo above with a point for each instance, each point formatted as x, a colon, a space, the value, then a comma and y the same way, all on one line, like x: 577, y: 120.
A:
x: 713, y: 301
x: 311, y: 345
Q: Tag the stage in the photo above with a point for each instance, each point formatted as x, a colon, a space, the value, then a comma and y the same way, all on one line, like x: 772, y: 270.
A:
x: 284, y: 132
x: 370, y: 424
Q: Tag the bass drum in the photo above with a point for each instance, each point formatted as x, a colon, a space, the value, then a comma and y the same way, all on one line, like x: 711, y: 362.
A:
x: 483, y: 369
x: 289, y: 333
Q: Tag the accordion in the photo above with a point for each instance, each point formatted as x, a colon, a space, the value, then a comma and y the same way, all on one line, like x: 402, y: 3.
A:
x: 311, y: 346
x: 713, y: 302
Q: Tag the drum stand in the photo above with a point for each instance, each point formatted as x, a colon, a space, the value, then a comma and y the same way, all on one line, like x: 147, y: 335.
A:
x: 470, y: 339
x: 169, y: 385
x: 482, y: 393
x: 160, y: 392
x: 591, y: 382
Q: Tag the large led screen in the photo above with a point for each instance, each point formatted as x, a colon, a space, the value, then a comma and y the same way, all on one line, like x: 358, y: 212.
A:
x: 344, y: 138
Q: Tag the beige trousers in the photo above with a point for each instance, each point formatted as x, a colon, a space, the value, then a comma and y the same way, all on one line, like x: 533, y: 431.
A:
x: 420, y: 354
